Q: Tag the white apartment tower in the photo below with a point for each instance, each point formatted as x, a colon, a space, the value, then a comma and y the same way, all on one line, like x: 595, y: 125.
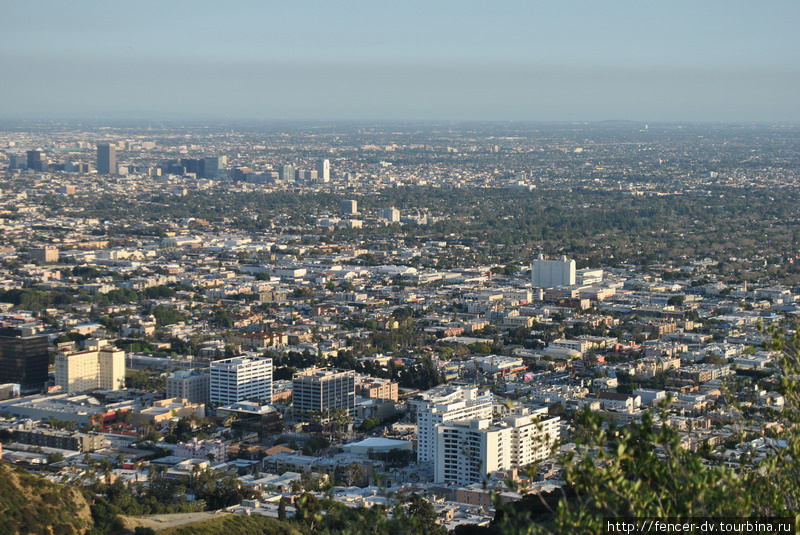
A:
x: 446, y: 403
x: 324, y: 171
x: 552, y: 273
x: 469, y: 451
x: 241, y: 379
x: 93, y: 369
x: 391, y: 214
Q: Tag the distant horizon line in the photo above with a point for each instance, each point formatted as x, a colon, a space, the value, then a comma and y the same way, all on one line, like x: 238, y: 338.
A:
x: 174, y: 117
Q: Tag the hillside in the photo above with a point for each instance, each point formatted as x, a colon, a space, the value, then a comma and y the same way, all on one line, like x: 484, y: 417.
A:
x: 29, y: 504
x: 230, y: 524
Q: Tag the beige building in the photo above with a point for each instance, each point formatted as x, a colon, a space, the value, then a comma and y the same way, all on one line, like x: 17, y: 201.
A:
x: 370, y: 387
x: 45, y: 254
x: 93, y: 369
x: 167, y: 409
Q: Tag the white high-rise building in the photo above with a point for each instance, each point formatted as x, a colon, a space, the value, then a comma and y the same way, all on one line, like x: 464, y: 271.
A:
x: 446, y: 403
x: 323, y: 170
x: 93, y: 369
x: 391, y: 214
x: 469, y: 451
x: 240, y: 379
x: 552, y: 273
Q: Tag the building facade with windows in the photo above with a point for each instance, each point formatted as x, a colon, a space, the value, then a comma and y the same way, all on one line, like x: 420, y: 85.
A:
x: 468, y: 451
x: 322, y: 391
x: 240, y: 379
x: 189, y: 384
x: 446, y: 403
x: 93, y: 369
x: 23, y: 356
x: 553, y: 273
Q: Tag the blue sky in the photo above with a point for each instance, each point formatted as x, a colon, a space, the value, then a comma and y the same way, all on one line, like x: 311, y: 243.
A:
x: 702, y: 60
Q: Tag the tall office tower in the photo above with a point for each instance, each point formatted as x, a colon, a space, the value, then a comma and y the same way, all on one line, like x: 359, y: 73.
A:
x: 287, y: 173
x: 323, y: 170
x: 241, y: 379
x: 192, y: 165
x: 552, y: 273
x: 23, y: 356
x: 98, y: 368
x: 468, y: 451
x: 209, y: 167
x: 391, y: 214
x: 17, y: 161
x: 189, y: 384
x: 446, y: 403
x: 322, y: 390
x: 106, y: 159
x: 36, y: 160
x: 349, y: 207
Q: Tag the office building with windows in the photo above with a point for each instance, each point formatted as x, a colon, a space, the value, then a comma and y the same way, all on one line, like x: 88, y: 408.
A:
x: 391, y: 214
x: 324, y: 171
x: 552, y: 273
x: 349, y: 207
x: 93, y: 369
x: 193, y: 385
x: 36, y: 160
x: 23, y: 356
x: 287, y: 173
x: 241, y: 379
x: 322, y: 391
x: 106, y: 159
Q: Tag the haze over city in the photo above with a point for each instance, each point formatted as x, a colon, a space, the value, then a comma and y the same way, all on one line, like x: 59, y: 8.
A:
x: 541, y: 61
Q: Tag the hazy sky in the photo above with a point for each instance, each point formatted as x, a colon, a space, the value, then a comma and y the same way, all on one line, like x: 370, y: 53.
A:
x: 723, y: 60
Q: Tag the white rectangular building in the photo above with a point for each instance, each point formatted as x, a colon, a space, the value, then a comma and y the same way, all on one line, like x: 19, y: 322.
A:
x: 215, y: 450
x: 446, y: 404
x: 390, y: 214
x: 469, y: 451
x: 324, y: 171
x: 552, y: 273
x: 241, y: 379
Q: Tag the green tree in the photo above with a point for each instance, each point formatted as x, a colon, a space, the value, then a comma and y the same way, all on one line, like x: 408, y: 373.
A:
x: 282, y: 508
x: 414, y: 515
x: 369, y: 424
x: 308, y: 510
x: 166, y: 316
x: 642, y: 470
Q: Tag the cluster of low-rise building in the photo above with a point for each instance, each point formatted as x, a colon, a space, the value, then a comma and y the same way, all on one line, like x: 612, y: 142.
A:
x: 276, y: 355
